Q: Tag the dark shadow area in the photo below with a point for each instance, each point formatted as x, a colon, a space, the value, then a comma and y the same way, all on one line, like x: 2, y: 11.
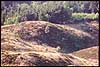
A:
x: 58, y: 37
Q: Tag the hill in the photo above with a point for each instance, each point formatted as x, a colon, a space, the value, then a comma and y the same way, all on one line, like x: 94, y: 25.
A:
x: 46, y: 43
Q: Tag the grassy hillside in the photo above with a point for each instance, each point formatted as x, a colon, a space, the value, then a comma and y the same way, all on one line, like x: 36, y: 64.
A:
x: 44, y: 42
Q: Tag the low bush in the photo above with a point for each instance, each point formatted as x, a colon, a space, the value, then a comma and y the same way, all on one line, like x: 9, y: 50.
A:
x: 52, y: 11
x: 49, y: 11
x: 56, y: 12
x: 78, y: 17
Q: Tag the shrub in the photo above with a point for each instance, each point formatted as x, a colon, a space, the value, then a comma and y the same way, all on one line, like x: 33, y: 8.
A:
x: 48, y: 11
x: 77, y: 17
x: 92, y: 16
x: 13, y: 19
x: 52, y: 11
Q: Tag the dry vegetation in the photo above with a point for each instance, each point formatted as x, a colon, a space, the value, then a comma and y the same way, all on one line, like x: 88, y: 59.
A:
x: 39, y: 43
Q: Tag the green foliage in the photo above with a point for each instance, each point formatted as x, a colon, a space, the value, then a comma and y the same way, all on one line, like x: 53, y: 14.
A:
x: 92, y: 16
x: 50, y: 11
x: 78, y: 16
x: 84, y: 16
x: 13, y: 19
x: 57, y: 12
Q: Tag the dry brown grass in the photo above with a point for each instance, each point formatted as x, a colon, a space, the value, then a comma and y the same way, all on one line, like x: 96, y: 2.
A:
x: 42, y: 59
x: 90, y: 54
x: 13, y: 47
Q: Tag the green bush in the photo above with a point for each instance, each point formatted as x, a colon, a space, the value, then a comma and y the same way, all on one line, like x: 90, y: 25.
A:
x: 78, y: 17
x: 84, y: 16
x: 92, y: 16
x: 52, y: 11
x: 56, y: 12
x: 49, y: 11
x: 13, y: 19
